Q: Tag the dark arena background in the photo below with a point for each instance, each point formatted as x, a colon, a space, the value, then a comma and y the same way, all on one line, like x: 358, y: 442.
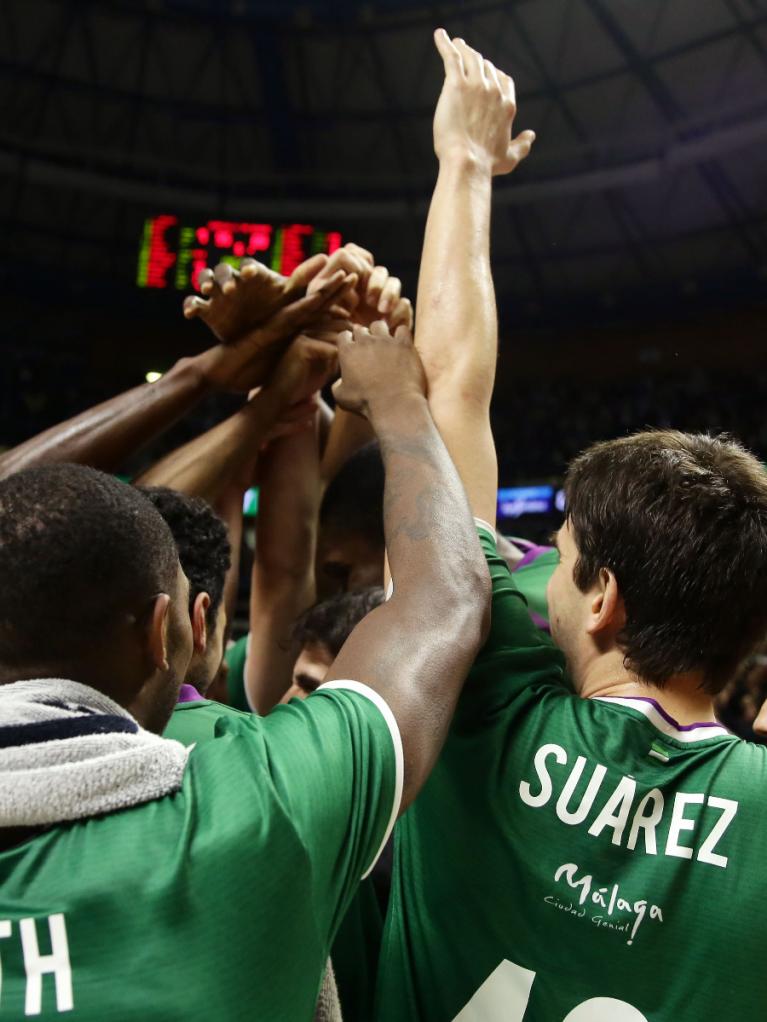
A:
x: 141, y: 142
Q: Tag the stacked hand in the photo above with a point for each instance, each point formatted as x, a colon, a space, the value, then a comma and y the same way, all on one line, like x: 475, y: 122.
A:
x: 307, y: 365
x: 476, y: 109
x: 237, y: 301
x: 256, y: 314
x: 248, y: 361
x: 375, y: 294
x: 379, y: 369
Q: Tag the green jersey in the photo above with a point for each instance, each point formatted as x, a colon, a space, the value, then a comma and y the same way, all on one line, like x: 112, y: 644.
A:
x: 199, y: 720
x: 575, y: 860
x: 532, y: 580
x: 235, y: 657
x: 221, y: 900
x: 357, y: 942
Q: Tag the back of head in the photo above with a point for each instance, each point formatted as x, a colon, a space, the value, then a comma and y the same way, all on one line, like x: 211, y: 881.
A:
x: 681, y: 521
x: 202, y: 541
x: 79, y: 550
x: 350, y: 543
x: 331, y: 622
x: 353, y: 501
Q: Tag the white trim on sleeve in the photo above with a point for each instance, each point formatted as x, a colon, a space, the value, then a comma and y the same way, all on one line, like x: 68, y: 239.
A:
x: 399, y: 758
x: 487, y: 527
x: 245, y: 675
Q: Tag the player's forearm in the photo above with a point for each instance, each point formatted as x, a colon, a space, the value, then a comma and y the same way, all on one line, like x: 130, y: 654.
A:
x: 430, y: 536
x: 286, y: 527
x: 272, y: 652
x: 106, y: 435
x: 441, y: 591
x: 348, y: 434
x: 229, y: 507
x: 457, y: 335
x: 205, y: 466
x: 326, y: 418
x: 456, y: 332
x: 282, y: 583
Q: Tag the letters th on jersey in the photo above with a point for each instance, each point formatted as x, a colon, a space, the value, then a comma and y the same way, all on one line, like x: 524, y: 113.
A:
x: 29, y: 934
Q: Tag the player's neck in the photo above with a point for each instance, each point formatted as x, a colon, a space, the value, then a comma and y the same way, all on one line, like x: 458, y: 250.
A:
x: 681, y: 697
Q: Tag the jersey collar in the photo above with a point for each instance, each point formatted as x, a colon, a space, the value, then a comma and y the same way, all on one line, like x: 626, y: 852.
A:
x: 665, y: 723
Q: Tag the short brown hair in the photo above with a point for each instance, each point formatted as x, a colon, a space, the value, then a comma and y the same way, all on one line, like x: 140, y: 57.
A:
x: 681, y: 521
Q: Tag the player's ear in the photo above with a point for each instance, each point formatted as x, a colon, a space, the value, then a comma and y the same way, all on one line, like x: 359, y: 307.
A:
x: 606, y: 611
x: 157, y: 632
x: 200, y: 622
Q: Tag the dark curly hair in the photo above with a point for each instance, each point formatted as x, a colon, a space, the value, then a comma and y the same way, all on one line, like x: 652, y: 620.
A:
x: 78, y: 550
x: 202, y: 541
x: 332, y: 621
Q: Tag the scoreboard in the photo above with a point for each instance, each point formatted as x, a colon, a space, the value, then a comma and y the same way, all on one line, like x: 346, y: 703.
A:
x: 172, y: 253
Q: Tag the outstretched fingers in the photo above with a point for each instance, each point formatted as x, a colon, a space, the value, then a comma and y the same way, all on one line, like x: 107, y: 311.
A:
x: 305, y: 273
x: 226, y: 277
x: 195, y: 306
x: 206, y: 282
x: 508, y: 89
x: 402, y: 314
x: 473, y: 64
x: 317, y: 305
x: 519, y: 147
x: 451, y: 58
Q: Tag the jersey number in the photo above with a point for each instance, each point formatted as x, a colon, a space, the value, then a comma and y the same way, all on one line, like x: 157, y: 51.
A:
x: 505, y: 994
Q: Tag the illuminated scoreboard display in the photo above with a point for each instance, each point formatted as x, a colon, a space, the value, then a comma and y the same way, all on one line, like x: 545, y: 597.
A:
x: 173, y: 253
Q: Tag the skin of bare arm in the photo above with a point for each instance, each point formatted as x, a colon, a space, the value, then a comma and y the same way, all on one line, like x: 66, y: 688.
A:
x: 205, y: 466
x: 229, y: 507
x: 378, y: 295
x: 325, y: 423
x: 236, y: 299
x: 282, y: 584
x: 348, y: 434
x: 106, y: 435
x: 415, y: 650
x: 457, y: 335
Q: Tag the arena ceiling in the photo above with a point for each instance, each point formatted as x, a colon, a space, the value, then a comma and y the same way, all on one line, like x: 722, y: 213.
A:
x: 649, y: 174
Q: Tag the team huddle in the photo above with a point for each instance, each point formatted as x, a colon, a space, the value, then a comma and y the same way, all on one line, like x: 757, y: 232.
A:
x: 563, y: 829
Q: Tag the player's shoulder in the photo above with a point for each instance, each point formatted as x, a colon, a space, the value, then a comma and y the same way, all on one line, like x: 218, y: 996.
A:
x: 201, y: 720
x: 208, y: 708
x: 642, y: 721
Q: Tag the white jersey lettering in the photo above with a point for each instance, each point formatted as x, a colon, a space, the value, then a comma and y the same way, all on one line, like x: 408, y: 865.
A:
x: 37, y: 965
x: 616, y: 810
x: 583, y: 810
x: 706, y: 852
x: 679, y: 823
x: 647, y: 823
x: 619, y: 813
x: 539, y: 763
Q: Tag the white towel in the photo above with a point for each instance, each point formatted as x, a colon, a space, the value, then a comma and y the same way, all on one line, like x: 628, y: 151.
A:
x: 68, y: 752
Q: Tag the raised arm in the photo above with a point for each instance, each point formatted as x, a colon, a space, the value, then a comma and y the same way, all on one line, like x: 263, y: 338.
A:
x: 282, y: 583
x: 235, y: 299
x: 105, y: 436
x: 457, y: 330
x: 378, y: 296
x: 205, y: 466
x: 416, y: 649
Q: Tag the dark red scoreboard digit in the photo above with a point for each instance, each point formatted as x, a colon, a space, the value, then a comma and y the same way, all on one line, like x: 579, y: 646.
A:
x: 172, y: 253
